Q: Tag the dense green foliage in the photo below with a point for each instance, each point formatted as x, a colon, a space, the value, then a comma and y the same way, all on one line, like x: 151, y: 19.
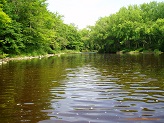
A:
x: 27, y: 27
x: 133, y: 28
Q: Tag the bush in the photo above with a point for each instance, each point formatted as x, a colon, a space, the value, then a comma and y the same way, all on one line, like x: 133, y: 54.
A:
x: 3, y: 56
x: 140, y: 50
x: 156, y: 51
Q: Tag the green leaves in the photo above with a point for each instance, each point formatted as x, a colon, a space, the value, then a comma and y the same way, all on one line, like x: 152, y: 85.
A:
x: 131, y: 28
x: 26, y: 26
x: 12, y: 38
x: 4, y: 18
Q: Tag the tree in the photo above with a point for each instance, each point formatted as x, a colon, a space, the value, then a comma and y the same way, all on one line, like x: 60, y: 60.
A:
x: 131, y: 28
x: 10, y: 37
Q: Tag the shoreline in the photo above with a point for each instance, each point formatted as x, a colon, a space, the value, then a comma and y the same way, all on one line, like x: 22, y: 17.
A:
x: 137, y: 52
x: 7, y: 59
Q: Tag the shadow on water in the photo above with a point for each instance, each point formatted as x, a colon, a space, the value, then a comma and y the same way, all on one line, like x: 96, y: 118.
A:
x: 83, y: 88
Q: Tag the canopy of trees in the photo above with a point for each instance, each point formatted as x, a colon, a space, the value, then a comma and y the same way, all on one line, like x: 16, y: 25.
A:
x: 27, y: 27
x: 132, y: 28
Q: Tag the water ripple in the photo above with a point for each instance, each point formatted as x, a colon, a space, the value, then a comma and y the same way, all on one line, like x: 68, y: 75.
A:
x: 89, y: 96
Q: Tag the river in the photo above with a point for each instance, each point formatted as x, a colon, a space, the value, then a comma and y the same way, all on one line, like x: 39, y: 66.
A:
x: 83, y: 88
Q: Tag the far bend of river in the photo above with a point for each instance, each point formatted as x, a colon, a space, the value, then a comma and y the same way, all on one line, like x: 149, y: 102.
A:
x: 83, y: 88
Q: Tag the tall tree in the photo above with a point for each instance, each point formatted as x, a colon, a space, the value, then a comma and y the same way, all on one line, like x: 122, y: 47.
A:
x: 131, y: 28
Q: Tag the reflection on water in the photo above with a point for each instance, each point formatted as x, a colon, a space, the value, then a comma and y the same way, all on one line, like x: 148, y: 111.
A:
x: 83, y: 88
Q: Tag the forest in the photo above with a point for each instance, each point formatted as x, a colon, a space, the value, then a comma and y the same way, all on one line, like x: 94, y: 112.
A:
x: 27, y: 27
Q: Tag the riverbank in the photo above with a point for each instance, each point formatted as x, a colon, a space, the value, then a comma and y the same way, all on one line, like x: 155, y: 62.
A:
x: 139, y: 52
x: 7, y: 59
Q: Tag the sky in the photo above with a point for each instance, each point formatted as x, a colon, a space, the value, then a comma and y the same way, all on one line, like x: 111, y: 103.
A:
x: 86, y: 12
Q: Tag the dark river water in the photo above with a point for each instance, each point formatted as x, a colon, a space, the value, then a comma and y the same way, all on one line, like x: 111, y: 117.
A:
x: 83, y: 88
